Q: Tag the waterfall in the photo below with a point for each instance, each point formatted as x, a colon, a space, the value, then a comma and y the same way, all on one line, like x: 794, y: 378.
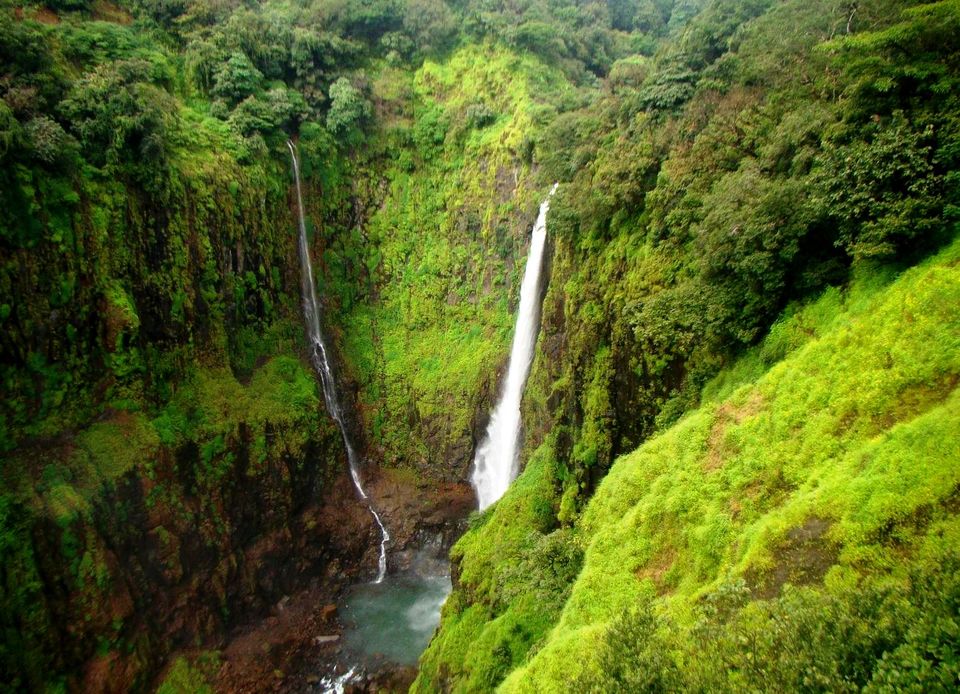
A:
x: 321, y: 362
x: 495, y: 464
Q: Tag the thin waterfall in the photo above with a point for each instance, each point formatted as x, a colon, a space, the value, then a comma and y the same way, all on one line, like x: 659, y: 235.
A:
x: 495, y: 465
x: 321, y: 362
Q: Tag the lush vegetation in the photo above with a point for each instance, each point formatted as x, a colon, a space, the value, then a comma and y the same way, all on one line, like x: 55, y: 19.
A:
x: 798, y: 530
x: 730, y: 317
x: 149, y: 299
x: 832, y: 466
x: 685, y: 231
x: 130, y: 497
x: 446, y: 240
x: 765, y: 153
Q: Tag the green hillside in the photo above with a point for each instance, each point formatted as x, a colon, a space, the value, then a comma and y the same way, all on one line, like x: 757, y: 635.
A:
x: 797, y: 526
x: 740, y: 448
x: 808, y: 513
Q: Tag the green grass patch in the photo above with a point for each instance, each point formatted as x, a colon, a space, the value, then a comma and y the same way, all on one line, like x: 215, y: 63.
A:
x: 191, y: 675
x: 823, y: 466
x: 515, y: 573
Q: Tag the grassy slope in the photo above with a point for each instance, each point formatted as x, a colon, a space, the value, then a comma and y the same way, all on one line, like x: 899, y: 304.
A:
x: 512, y: 582
x: 829, y: 454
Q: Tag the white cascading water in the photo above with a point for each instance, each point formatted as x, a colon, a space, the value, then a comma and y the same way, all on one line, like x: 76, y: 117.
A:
x: 495, y: 465
x: 318, y: 354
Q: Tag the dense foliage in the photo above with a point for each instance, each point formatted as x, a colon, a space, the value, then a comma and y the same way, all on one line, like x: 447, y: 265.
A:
x: 740, y: 180
x: 766, y: 152
x: 780, y: 164
x: 798, y: 530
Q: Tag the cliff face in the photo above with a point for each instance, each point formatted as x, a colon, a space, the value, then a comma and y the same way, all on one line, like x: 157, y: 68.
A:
x: 169, y: 469
x: 111, y: 576
x: 449, y: 196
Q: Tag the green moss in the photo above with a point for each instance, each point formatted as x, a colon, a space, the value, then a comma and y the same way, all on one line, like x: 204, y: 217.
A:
x: 816, y: 470
x: 65, y: 503
x: 444, y: 249
x: 114, y: 447
x: 191, y: 676
x: 515, y: 571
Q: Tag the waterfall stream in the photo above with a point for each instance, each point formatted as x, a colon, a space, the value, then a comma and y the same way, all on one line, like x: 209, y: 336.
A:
x: 322, y: 364
x: 495, y: 464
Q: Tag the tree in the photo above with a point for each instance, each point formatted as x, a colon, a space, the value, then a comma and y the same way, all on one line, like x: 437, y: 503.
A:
x: 431, y: 24
x: 47, y: 139
x: 348, y: 110
x: 747, y: 244
x: 9, y: 129
x: 237, y: 79
x: 202, y: 60
x: 121, y: 119
x: 884, y: 193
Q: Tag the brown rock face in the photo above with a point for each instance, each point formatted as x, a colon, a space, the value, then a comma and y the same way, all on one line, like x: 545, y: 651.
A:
x: 162, y: 559
x: 301, y: 637
x: 419, y: 513
x: 280, y: 652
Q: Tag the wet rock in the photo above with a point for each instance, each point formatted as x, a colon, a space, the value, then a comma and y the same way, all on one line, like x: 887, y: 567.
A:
x: 423, y: 520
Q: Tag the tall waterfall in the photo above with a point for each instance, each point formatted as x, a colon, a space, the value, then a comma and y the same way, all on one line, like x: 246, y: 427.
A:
x: 495, y: 464
x: 321, y: 362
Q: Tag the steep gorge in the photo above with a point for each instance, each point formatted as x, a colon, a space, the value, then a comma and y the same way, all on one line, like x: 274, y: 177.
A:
x: 741, y: 184
x: 168, y: 435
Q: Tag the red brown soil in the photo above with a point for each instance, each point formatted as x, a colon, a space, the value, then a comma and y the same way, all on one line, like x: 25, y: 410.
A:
x: 285, y: 651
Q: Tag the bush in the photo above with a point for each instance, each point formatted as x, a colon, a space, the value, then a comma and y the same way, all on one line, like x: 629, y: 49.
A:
x: 348, y: 110
x: 48, y: 140
x: 122, y: 118
x: 430, y: 23
x: 236, y: 79
x: 883, y: 192
x: 872, y: 638
x: 479, y: 115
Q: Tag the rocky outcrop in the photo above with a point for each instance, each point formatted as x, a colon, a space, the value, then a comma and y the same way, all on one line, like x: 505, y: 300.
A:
x: 300, y: 639
x: 174, y: 552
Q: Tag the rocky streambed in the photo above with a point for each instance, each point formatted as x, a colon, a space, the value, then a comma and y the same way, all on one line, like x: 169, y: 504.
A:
x: 343, y: 623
